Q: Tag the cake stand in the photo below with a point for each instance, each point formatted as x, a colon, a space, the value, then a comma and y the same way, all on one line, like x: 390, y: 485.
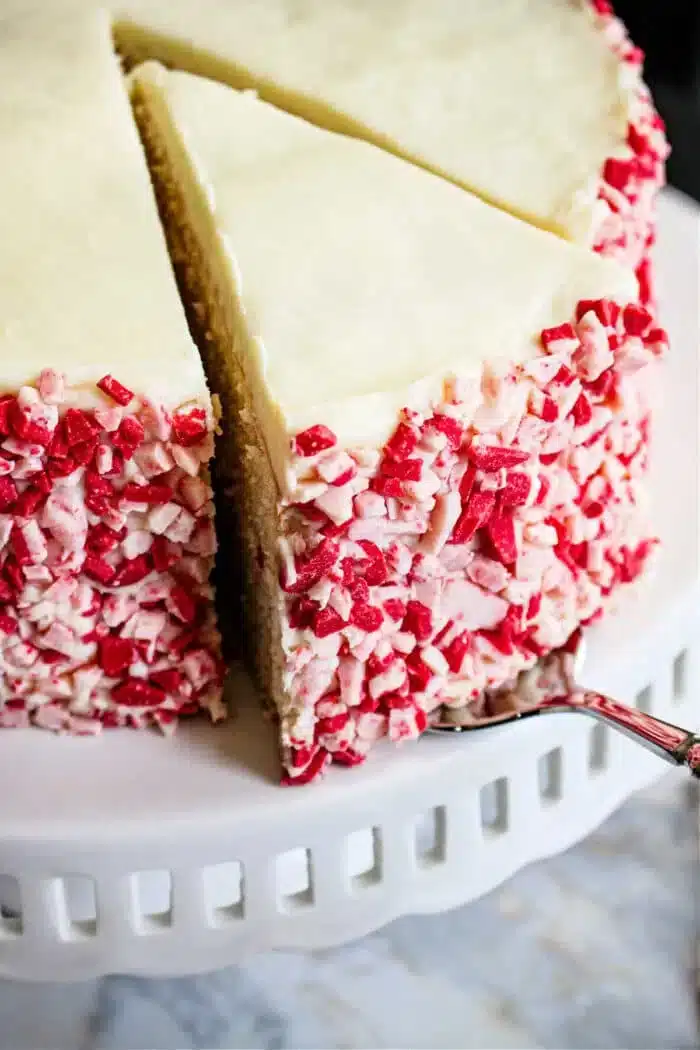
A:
x: 136, y: 854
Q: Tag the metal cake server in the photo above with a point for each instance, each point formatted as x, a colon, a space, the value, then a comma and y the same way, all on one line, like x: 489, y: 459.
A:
x: 677, y: 746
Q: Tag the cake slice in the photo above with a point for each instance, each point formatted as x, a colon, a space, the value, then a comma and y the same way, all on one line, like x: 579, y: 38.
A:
x: 434, y: 415
x: 535, y: 105
x: 106, y: 423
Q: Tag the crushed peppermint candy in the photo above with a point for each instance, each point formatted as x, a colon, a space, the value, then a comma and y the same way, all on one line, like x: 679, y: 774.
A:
x: 103, y: 601
x: 472, y: 545
x: 630, y: 181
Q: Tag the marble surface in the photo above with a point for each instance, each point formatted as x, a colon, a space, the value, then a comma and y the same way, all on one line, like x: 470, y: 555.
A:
x: 593, y: 948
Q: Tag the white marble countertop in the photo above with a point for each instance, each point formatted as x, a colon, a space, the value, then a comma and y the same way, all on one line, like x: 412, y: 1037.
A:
x: 594, y: 948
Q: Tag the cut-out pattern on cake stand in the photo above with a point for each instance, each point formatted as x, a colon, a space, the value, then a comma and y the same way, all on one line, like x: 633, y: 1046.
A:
x: 131, y: 853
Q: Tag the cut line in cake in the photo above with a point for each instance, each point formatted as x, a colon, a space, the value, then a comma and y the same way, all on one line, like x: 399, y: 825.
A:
x: 421, y: 525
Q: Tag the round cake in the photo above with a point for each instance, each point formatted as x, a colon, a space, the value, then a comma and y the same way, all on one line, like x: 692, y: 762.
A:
x: 413, y: 246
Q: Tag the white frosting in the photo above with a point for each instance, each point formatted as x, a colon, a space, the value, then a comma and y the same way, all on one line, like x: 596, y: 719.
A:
x: 84, y: 285
x: 366, y: 280
x: 85, y: 281
x: 519, y: 100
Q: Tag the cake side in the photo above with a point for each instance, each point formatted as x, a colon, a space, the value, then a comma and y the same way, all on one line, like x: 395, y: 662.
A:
x: 106, y: 548
x: 106, y: 423
x: 429, y: 567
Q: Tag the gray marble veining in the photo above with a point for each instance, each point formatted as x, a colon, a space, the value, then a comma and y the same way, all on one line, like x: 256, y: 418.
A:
x: 590, y: 949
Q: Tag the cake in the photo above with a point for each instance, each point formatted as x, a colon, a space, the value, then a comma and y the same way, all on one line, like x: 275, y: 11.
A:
x: 414, y: 254
x: 537, y: 106
x: 436, y: 415
x: 106, y: 422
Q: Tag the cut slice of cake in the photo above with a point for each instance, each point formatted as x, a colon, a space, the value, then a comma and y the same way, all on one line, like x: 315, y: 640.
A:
x: 535, y: 105
x: 434, y: 416
x: 106, y: 424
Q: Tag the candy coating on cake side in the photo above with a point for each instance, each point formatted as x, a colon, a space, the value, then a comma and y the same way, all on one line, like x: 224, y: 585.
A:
x: 432, y: 572
x: 624, y: 226
x: 106, y: 547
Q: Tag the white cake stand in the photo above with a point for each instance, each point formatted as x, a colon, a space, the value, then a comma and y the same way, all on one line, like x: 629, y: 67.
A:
x: 131, y: 853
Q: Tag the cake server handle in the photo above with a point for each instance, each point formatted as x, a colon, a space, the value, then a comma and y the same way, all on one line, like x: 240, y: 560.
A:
x: 670, y: 742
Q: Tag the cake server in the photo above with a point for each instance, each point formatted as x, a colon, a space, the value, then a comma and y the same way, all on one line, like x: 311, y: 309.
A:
x: 676, y: 745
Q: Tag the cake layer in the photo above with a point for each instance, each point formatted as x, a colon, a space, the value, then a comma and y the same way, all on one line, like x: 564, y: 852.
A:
x: 106, y: 424
x: 436, y: 418
x: 536, y: 105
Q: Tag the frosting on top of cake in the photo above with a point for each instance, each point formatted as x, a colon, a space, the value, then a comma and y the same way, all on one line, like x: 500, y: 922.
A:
x: 364, y: 280
x: 520, y: 101
x: 85, y: 280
